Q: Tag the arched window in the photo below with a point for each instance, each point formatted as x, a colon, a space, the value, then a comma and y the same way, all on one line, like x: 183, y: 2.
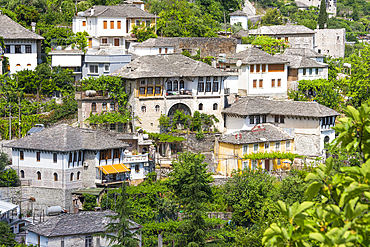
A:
x: 200, y: 107
x: 78, y: 175
x: 169, y: 86
x: 22, y: 174
x: 143, y: 109
x: 157, y: 108
x: 38, y: 175
x: 55, y: 176
x: 137, y: 168
x: 93, y: 107
x: 175, y: 86
x: 215, y: 106
x: 72, y: 175
x: 326, y: 139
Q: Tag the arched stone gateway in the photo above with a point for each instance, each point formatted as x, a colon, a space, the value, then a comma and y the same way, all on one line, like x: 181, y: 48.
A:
x: 181, y: 107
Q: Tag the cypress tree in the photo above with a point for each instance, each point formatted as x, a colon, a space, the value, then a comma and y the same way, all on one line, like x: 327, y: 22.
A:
x: 323, y: 16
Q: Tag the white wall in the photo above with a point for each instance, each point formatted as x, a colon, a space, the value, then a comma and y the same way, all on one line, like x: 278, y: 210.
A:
x: 242, y: 19
x: 66, y: 60
x: 144, y: 51
x: 32, y: 238
x: 231, y: 82
x: 322, y: 74
x: 25, y: 60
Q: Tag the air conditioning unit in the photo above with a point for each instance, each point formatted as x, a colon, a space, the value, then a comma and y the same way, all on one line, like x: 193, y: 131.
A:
x: 85, y: 163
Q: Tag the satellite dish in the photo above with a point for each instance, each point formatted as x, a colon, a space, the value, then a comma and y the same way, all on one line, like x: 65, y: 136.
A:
x: 239, y: 63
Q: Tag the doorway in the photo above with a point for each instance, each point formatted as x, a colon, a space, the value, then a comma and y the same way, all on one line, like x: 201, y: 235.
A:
x: 267, y: 165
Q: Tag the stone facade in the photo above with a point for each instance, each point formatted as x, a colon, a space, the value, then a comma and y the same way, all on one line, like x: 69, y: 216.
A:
x: 207, y: 46
x: 330, y: 42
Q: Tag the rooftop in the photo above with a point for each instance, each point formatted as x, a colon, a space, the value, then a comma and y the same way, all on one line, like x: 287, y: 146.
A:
x: 66, y: 52
x: 301, y: 4
x: 277, y: 30
x: 255, y: 106
x: 169, y: 65
x: 254, y: 55
x: 238, y: 13
x: 88, y: 222
x: 10, y: 29
x: 64, y: 138
x: 297, y: 62
x: 121, y: 10
x: 260, y: 133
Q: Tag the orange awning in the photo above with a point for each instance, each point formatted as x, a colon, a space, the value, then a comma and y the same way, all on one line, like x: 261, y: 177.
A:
x: 113, y: 169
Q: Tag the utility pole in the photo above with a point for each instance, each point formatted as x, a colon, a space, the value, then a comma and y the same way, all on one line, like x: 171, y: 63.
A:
x: 225, y: 24
x: 19, y: 111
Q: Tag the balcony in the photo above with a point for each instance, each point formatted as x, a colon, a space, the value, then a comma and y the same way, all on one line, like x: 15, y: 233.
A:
x: 182, y: 93
x: 136, y: 158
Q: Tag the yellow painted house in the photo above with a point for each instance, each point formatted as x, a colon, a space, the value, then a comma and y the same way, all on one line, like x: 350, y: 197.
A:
x: 231, y: 148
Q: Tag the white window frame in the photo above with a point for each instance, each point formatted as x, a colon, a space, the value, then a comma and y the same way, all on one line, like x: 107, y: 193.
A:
x: 245, y: 164
x: 254, y: 165
x: 106, y: 70
x: 277, y: 146
x: 245, y: 149
x: 267, y: 149
x: 254, y: 148
x: 287, y: 145
x: 94, y: 64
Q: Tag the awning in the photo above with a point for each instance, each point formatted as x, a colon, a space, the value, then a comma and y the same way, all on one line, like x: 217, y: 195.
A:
x: 113, y: 169
x: 6, y: 207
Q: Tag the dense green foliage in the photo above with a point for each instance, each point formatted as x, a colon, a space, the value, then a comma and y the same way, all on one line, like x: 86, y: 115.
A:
x: 271, y: 155
x: 89, y: 202
x: 270, y: 45
x: 323, y: 16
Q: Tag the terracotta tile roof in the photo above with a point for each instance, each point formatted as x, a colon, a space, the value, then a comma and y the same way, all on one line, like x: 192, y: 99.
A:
x: 265, y: 133
x: 121, y: 10
x: 10, y: 29
x: 65, y: 138
x: 169, y: 65
x: 261, y: 106
x: 254, y: 55
x: 89, y: 222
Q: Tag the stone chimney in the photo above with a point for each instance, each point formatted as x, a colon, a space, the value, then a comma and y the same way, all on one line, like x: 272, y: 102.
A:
x: 33, y: 25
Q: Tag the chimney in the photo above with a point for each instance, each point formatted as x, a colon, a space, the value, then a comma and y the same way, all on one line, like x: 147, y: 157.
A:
x: 92, y: 10
x: 33, y: 25
x: 325, y: 26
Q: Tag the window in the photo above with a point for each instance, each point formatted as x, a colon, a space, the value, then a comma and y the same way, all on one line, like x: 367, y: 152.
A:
x: 263, y: 118
x: 78, y: 175
x: 245, y: 164
x: 28, y: 48
x: 22, y: 174
x: 272, y: 82
x: 143, y: 109
x: 267, y: 146
x: 74, y: 158
x: 169, y: 86
x: 276, y: 118
x: 93, y: 107
x: 147, y: 23
x: 279, y: 83
x: 326, y: 139
x: 70, y: 159
x: 116, y: 154
x: 104, y: 106
x: 251, y: 67
x: 175, y: 86
x: 7, y: 49
x: 317, y: 71
x: 245, y: 149
x: 276, y: 67
x: 263, y: 68
x: 157, y: 108
x: 208, y: 84
x: 254, y: 164
x: 21, y: 155
x: 277, y: 146
x: 105, y: 24
x: 72, y: 177
x: 201, y: 86
x: 255, y: 148
x: 319, y: 51
x: 215, y: 84
x: 281, y: 119
x: 111, y: 24
x: 254, y: 83
x: 182, y: 84
x: 112, y: 106
x: 94, y: 69
x: 112, y: 126
x: 310, y: 71
x: 260, y: 83
x: 258, y: 68
x: 258, y: 120
x: 106, y: 67
x: 38, y: 156
x: 160, y: 50
x: 165, y: 50
x: 215, y: 106
x: 287, y: 145
x: 84, y: 23
x: 304, y: 72
x: 200, y: 107
x: 79, y: 156
x: 137, y: 168
x: 251, y: 119
x: 104, y: 41
x: 118, y: 24
x: 38, y: 175
x: 158, y: 90
x: 55, y: 157
x: 18, y: 49
x: 286, y: 39
x: 142, y: 90
x: 55, y: 176
x: 88, y: 241
x: 137, y: 22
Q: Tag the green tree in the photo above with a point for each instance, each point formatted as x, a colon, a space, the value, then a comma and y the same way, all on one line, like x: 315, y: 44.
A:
x: 89, y: 202
x: 26, y: 15
x: 4, y: 160
x: 120, y: 223
x: 270, y: 45
x: 323, y: 16
x: 189, y: 181
x: 7, y: 237
x: 355, y: 14
x: 272, y: 17
x: 143, y: 32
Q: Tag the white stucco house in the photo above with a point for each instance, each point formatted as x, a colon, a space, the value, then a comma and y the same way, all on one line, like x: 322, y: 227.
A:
x: 22, y: 46
x: 68, y: 59
x: 239, y: 17
x: 258, y: 73
x: 308, y: 122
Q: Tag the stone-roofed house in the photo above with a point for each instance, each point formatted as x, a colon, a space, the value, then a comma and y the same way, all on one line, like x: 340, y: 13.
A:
x: 239, y: 17
x: 207, y: 46
x: 78, y: 229
x: 22, y: 46
x: 257, y: 73
x: 262, y: 138
x: 111, y: 25
x: 308, y: 122
x: 68, y: 59
x: 162, y: 84
x: 62, y: 158
x: 305, y: 52
x: 330, y: 42
x: 298, y: 36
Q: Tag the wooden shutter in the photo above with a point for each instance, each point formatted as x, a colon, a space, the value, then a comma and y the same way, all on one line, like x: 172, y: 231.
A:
x: 84, y: 23
x: 254, y: 83
x: 111, y: 24
x: 118, y: 24
x: 272, y: 82
x: 258, y: 68
x: 276, y: 68
x: 261, y: 83
x: 251, y: 68
x: 263, y: 67
x: 105, y: 24
x: 279, y: 82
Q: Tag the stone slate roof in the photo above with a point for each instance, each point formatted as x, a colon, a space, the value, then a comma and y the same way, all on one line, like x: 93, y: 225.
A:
x: 278, y: 30
x: 254, y: 55
x: 64, y: 138
x: 10, y: 29
x: 121, y: 10
x: 298, y: 62
x: 88, y: 222
x: 169, y: 65
x: 301, y: 5
x: 77, y: 52
x: 305, y: 52
x: 238, y: 13
x: 265, y: 133
x: 256, y: 106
